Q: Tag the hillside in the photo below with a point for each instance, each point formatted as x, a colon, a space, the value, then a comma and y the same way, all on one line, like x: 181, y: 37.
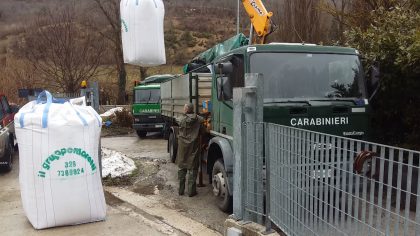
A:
x: 191, y: 27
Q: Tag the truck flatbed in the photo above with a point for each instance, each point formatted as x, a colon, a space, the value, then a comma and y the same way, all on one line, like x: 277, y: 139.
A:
x: 175, y: 93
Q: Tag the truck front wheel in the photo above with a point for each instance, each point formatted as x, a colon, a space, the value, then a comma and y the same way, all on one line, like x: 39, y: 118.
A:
x: 172, y: 147
x: 141, y: 134
x: 220, y: 188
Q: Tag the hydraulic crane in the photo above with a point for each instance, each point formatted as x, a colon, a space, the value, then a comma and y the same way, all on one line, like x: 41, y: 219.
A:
x: 260, y: 19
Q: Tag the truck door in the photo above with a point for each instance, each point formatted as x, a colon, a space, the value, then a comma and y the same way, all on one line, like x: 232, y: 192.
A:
x: 228, y: 74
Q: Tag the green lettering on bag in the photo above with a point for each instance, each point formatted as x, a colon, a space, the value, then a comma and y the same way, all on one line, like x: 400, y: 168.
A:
x: 63, y: 151
x: 46, y: 165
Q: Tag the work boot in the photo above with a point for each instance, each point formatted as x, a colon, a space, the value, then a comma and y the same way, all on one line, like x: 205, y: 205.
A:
x: 181, y: 189
x: 192, y: 186
x: 192, y: 194
x: 181, y: 177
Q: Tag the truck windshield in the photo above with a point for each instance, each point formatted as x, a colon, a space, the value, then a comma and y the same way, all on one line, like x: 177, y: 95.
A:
x: 147, y: 96
x: 309, y: 76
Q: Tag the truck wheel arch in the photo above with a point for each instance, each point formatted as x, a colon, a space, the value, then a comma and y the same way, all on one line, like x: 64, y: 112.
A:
x: 173, y: 130
x: 221, y: 148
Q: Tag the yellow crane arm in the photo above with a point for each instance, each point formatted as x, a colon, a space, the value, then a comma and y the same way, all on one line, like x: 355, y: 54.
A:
x: 260, y: 18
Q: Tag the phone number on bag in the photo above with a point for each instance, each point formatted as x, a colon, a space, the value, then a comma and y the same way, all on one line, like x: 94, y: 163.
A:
x: 71, y: 172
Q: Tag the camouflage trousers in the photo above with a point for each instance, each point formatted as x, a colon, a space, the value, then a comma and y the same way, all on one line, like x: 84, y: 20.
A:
x: 192, y: 176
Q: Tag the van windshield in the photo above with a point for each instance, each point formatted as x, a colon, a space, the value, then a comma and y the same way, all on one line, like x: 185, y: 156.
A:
x: 147, y: 96
x: 309, y: 76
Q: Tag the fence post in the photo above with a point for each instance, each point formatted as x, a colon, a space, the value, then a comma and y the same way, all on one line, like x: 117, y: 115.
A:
x: 254, y: 97
x: 238, y: 119
x: 95, y: 90
x: 247, y: 107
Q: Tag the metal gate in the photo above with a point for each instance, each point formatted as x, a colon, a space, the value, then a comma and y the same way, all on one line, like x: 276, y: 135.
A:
x: 309, y: 183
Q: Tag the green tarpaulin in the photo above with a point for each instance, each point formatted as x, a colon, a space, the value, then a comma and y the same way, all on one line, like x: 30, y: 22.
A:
x: 156, y: 79
x: 222, y: 48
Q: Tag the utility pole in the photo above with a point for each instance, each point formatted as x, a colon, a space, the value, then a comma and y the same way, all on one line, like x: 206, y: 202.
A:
x: 237, y: 18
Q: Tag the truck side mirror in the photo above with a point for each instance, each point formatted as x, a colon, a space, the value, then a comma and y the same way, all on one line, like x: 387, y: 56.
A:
x: 224, y: 86
x: 224, y: 89
x: 225, y: 68
x: 375, y: 73
x: 375, y: 80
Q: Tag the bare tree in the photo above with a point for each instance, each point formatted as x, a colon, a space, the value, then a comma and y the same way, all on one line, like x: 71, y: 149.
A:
x: 338, y: 10
x: 300, y: 21
x: 17, y: 74
x: 61, y: 50
x: 110, y: 11
x: 143, y: 73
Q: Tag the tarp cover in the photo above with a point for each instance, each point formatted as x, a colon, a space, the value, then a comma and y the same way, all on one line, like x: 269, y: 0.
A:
x: 157, y: 79
x: 142, y: 32
x: 59, y: 172
x: 235, y: 42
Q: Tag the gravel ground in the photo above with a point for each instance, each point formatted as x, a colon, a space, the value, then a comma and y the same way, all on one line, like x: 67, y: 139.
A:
x: 122, y: 218
x: 156, y: 179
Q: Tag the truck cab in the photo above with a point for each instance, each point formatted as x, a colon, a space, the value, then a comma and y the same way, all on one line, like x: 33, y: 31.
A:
x: 7, y: 134
x: 312, y: 87
x: 146, y: 109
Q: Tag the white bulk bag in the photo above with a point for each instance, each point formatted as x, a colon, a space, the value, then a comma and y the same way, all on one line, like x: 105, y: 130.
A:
x: 59, y: 174
x: 142, y: 32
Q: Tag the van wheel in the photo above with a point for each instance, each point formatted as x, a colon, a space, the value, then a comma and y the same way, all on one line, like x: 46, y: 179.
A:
x: 172, y: 147
x: 9, y: 155
x: 220, y: 188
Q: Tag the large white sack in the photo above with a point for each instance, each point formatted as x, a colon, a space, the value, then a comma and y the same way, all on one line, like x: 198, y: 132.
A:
x: 59, y: 171
x: 142, y: 32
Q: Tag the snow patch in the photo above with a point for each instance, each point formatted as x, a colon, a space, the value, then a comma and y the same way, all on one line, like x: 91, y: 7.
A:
x: 115, y: 164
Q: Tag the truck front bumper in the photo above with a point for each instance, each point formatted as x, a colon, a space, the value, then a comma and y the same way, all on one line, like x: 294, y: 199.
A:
x: 4, y: 157
x: 153, y: 127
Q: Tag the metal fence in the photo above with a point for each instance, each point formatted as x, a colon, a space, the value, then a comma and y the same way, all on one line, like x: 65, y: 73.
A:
x: 253, y: 164
x: 319, y: 184
x: 59, y: 95
x: 67, y: 95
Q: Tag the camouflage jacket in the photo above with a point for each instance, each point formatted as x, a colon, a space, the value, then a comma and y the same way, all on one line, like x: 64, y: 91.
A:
x: 190, y: 128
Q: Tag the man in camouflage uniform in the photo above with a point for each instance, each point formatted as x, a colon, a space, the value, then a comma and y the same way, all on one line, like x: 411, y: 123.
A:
x: 188, y: 156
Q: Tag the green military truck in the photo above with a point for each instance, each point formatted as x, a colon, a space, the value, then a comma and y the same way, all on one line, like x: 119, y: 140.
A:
x: 319, y: 88
x: 146, y: 105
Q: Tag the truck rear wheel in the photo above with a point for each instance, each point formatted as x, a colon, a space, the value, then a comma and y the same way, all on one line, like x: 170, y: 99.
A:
x: 220, y: 186
x: 172, y: 147
x: 141, y: 134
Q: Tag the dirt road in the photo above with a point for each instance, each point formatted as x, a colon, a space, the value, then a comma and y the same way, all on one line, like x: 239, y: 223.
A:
x: 122, y: 218
x: 157, y: 182
x: 148, y: 205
